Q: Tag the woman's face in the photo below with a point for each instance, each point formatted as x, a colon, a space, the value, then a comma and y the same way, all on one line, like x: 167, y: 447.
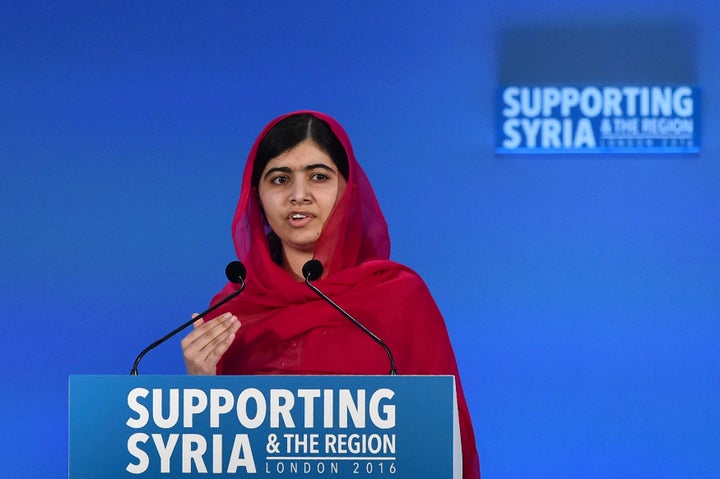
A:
x: 298, y: 191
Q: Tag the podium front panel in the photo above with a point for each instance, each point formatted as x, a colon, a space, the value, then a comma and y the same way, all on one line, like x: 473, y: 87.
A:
x: 262, y: 426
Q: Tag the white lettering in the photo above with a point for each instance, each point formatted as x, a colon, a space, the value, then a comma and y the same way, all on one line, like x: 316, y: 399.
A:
x: 135, y: 406
x: 387, y: 419
x: 193, y: 448
x: 221, y: 402
x: 551, y: 99
x: 217, y: 454
x: 241, y: 455
x: 194, y: 402
x: 281, y: 403
x: 173, y: 408
x: 347, y: 406
x: 261, y: 408
x: 512, y: 137
x: 531, y: 107
x: 551, y: 130
x: 631, y: 93
x: 309, y: 396
x: 683, y: 102
x: 570, y: 99
x: 328, y: 408
x: 360, y: 444
x: 591, y: 102
x: 137, y: 453
x: 661, y: 101
x: 281, y: 408
x: 512, y: 107
x: 584, y: 137
x: 165, y: 450
x: 531, y: 129
x: 611, y: 102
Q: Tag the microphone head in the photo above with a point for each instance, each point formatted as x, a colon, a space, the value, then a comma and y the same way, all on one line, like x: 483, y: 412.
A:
x: 235, y: 272
x: 312, y: 270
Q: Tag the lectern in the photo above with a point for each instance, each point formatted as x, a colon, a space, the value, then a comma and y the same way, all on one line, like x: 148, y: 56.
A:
x: 309, y: 427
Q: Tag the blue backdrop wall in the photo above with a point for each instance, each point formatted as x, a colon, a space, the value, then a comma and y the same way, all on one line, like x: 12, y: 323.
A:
x: 581, y: 293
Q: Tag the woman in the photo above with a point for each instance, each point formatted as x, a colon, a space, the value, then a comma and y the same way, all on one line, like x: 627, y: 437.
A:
x: 304, y: 196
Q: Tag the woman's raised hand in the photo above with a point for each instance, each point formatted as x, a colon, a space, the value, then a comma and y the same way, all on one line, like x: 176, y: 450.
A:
x: 208, y: 341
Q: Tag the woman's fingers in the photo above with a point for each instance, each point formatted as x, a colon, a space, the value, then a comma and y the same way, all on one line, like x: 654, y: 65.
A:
x: 207, y: 342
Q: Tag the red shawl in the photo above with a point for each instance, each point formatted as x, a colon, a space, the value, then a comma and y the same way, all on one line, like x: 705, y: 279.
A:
x: 287, y: 329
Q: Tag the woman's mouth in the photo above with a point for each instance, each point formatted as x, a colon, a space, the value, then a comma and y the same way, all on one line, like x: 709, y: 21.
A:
x: 300, y: 219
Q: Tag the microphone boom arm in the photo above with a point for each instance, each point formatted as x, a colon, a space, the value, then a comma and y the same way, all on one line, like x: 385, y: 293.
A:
x: 357, y: 323
x: 134, y: 371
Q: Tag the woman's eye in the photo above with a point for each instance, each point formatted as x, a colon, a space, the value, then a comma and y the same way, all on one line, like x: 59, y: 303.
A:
x: 319, y: 177
x: 279, y: 180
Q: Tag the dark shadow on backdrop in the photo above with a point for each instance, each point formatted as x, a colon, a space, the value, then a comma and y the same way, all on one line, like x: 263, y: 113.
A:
x: 619, y: 53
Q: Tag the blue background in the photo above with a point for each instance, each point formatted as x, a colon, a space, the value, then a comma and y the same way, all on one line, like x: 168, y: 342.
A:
x: 581, y: 293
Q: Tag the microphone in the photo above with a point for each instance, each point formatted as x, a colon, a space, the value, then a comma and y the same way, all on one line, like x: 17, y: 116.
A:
x: 312, y: 270
x: 236, y: 273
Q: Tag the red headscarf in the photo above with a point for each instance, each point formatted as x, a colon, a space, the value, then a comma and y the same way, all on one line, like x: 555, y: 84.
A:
x: 287, y: 329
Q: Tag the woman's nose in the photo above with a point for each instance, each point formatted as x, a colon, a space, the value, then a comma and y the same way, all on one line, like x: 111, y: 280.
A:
x: 300, y: 193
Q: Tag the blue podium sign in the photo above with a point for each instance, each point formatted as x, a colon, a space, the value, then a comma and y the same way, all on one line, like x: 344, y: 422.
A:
x: 263, y: 426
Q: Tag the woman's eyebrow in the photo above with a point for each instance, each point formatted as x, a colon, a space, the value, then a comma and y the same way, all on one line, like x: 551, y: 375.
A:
x: 288, y: 170
x: 277, y: 169
x: 319, y: 165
